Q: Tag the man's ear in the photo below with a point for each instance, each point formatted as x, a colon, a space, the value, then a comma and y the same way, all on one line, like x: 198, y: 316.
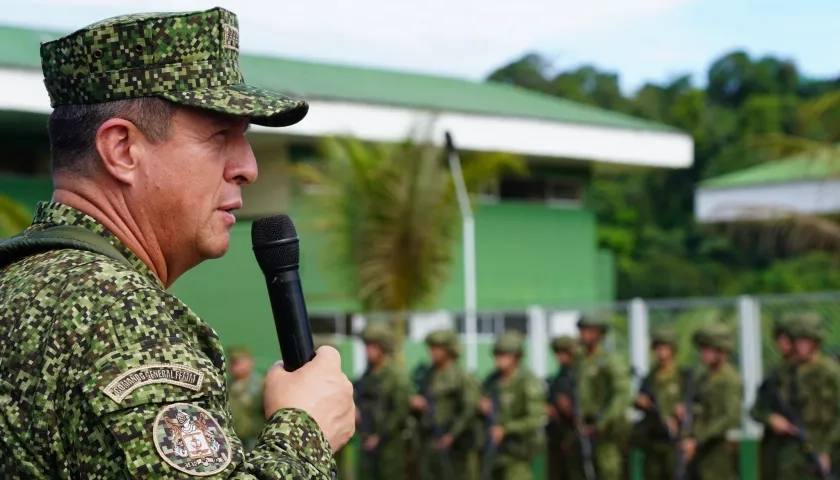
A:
x: 120, y: 144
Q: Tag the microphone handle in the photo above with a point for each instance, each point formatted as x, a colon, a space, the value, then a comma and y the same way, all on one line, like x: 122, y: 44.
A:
x: 291, y: 319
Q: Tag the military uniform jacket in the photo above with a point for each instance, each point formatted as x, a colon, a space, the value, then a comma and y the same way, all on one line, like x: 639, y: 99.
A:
x: 521, y: 411
x: 247, y: 407
x: 816, y: 397
x: 603, y: 384
x: 456, y: 397
x: 717, y: 404
x: 383, y: 396
x: 104, y: 375
x: 778, y: 378
x: 667, y: 387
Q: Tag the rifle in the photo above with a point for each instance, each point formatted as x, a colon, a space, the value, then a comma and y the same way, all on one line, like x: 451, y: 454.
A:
x: 585, y: 442
x: 490, y: 447
x: 802, y: 438
x: 365, y: 424
x: 685, y: 424
x: 437, y: 429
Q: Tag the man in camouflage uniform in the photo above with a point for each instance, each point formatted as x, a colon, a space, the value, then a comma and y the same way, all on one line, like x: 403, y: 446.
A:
x: 246, y: 397
x: 717, y: 406
x: 660, y: 394
x: 777, y: 428
x: 560, y: 430
x: 343, y: 459
x: 103, y: 372
x: 382, y: 405
x: 454, y: 395
x: 602, y: 383
x: 814, y: 396
x: 519, y: 400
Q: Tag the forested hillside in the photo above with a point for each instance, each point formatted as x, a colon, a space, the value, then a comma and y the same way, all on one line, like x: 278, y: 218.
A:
x: 646, y: 216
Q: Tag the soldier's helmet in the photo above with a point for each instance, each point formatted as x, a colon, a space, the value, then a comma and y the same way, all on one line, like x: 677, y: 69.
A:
x: 379, y: 334
x: 783, y: 324
x: 565, y: 343
x: 239, y: 351
x: 715, y: 335
x: 664, y: 336
x: 808, y: 326
x: 509, y: 342
x: 447, y: 339
x: 594, y: 320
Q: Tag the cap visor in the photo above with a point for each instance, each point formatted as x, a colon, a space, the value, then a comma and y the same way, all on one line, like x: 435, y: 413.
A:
x: 262, y: 107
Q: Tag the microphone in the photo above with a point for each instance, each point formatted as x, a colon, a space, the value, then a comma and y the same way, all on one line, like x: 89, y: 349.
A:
x: 277, y: 249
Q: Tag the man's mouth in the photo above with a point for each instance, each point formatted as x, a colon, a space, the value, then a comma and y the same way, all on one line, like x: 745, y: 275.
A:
x: 231, y: 207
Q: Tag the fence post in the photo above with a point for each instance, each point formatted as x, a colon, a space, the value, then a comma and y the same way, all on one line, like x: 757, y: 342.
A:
x: 749, y: 319
x: 538, y: 340
x: 639, y: 333
x: 359, y: 357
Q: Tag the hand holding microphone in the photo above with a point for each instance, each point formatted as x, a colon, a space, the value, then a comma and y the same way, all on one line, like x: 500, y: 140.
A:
x: 308, y: 381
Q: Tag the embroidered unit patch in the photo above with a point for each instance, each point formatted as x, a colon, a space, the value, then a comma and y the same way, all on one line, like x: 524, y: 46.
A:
x: 135, y: 378
x: 191, y: 440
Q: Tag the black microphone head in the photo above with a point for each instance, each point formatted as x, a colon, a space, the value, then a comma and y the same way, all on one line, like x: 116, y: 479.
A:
x: 275, y: 243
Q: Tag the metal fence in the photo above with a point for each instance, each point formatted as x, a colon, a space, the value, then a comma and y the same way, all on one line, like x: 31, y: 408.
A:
x: 751, y: 317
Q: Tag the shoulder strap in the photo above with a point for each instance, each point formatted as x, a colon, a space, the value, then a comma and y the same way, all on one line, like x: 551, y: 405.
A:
x: 54, y: 238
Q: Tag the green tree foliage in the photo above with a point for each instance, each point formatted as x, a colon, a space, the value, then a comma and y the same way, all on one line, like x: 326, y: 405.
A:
x: 752, y: 110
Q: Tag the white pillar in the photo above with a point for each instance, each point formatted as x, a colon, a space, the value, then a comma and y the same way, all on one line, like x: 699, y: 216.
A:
x: 538, y: 341
x: 639, y: 329
x: 359, y: 356
x: 749, y: 321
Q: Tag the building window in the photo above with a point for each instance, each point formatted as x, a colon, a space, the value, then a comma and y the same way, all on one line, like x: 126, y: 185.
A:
x: 558, y: 191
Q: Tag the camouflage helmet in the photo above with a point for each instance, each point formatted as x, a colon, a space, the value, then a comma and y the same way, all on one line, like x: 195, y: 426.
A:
x: 565, y: 343
x: 782, y: 326
x: 808, y: 326
x: 714, y: 335
x: 239, y: 351
x: 379, y: 334
x: 664, y: 336
x: 509, y: 342
x: 447, y: 339
x: 593, y: 320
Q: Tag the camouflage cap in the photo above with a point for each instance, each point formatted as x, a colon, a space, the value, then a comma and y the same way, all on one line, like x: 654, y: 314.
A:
x: 447, y: 339
x: 714, y: 335
x: 782, y: 325
x: 509, y: 342
x: 808, y: 326
x: 664, y: 336
x: 379, y: 334
x: 189, y: 58
x: 565, y: 343
x: 239, y: 351
x: 594, y: 320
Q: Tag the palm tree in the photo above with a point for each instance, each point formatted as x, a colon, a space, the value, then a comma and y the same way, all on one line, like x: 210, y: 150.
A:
x: 392, y: 218
x: 13, y: 217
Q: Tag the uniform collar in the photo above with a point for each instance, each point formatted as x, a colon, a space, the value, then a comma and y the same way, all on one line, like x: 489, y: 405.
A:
x: 50, y: 214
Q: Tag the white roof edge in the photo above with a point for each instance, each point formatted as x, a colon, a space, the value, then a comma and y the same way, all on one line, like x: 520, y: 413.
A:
x: 754, y: 202
x: 23, y: 90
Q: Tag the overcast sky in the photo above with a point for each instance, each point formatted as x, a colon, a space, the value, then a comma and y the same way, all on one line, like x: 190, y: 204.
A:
x: 642, y: 39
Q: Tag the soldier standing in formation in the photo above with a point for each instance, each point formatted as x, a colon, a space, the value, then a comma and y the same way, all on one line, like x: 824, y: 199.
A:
x: 382, y: 395
x: 603, y: 389
x: 716, y: 408
x: 777, y: 429
x: 814, y: 395
x: 518, y: 398
x: 246, y: 397
x: 660, y: 394
x: 450, y: 452
x: 560, y: 429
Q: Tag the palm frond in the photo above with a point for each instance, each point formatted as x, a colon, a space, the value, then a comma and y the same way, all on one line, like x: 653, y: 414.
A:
x: 781, y: 146
x: 13, y: 217
x: 776, y: 228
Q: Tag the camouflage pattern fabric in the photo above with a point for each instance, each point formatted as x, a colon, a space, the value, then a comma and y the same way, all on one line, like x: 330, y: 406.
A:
x: 103, y: 374
x: 189, y: 58
x: 660, y: 453
x: 717, y: 409
x: 522, y: 416
x: 560, y: 432
x: 247, y: 409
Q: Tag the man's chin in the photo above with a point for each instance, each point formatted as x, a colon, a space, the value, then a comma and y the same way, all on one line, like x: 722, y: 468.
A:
x: 216, y: 248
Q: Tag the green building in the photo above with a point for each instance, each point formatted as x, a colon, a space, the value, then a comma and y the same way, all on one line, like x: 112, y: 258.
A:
x: 536, y: 240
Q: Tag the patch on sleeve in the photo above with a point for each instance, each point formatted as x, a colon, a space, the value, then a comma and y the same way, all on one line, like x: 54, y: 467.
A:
x: 135, y: 378
x: 189, y: 439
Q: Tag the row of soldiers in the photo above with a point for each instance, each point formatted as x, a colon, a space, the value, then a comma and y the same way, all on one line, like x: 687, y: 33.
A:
x: 441, y: 422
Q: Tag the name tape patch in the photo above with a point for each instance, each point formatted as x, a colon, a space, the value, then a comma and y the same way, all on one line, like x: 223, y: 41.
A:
x: 135, y: 378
